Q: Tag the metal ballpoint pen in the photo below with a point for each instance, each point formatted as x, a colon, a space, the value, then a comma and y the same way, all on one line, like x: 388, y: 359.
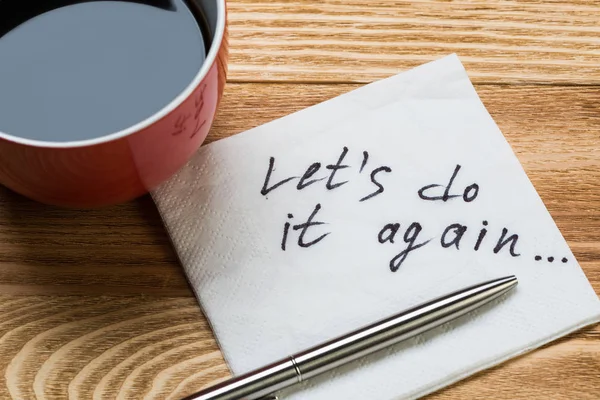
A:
x: 264, y: 382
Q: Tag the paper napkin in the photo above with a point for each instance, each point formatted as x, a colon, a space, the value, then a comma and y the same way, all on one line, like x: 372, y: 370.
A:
x: 325, y: 220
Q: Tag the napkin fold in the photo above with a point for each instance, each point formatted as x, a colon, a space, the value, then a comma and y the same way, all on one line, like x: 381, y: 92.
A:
x: 349, y: 211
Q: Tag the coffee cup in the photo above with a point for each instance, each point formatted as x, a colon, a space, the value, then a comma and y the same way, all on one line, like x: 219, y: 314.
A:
x: 102, y: 101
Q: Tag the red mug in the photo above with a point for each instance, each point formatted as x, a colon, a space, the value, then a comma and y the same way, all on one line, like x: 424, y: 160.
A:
x: 124, y: 165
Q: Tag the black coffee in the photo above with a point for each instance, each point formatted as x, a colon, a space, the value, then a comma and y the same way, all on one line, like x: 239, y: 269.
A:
x: 86, y: 70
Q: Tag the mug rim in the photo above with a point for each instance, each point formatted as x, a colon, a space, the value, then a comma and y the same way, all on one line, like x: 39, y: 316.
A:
x: 211, y: 57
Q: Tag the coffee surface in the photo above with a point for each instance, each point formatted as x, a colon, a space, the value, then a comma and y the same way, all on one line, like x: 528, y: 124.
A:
x: 87, y: 70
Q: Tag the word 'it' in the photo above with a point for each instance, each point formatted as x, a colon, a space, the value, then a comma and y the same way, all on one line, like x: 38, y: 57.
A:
x: 303, y: 229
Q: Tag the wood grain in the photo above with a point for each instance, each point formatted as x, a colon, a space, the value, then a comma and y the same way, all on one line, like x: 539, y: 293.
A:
x: 95, y: 306
x: 105, y: 347
x: 527, y: 41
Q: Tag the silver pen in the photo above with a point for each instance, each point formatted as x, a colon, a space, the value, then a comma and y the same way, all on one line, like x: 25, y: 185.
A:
x: 264, y: 382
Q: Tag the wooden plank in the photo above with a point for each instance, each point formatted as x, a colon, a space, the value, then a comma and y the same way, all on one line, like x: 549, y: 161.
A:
x: 117, y: 250
x: 162, y: 348
x: 563, y: 371
x: 94, y: 302
x: 51, y: 347
x: 523, y: 41
x: 124, y: 250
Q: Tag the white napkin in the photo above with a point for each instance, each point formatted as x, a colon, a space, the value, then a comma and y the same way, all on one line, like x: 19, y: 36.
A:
x: 417, y: 127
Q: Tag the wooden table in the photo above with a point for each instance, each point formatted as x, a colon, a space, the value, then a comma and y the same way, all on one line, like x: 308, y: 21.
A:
x: 93, y: 303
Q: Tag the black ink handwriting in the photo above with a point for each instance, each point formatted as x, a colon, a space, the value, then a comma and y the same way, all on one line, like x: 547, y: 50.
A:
x: 388, y: 233
x: 265, y: 188
x: 308, y: 174
x: 410, y: 236
x: 469, y: 193
x: 458, y: 230
x: 503, y: 241
x: 364, y: 161
x: 380, y: 188
x: 334, y: 168
x: 306, y: 225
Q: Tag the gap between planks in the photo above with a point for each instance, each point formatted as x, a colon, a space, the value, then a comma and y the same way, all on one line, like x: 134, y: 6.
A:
x: 360, y: 82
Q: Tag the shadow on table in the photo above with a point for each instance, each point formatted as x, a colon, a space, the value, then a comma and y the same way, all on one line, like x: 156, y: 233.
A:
x: 122, y: 249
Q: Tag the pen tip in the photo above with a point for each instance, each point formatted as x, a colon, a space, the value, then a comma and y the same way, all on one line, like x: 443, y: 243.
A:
x: 507, y: 281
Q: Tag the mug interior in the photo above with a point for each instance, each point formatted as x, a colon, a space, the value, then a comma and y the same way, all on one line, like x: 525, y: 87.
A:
x: 209, y: 14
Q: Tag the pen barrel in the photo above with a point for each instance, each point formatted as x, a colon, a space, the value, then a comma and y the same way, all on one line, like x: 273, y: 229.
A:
x: 254, y: 385
x: 395, y: 329
x: 260, y: 383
